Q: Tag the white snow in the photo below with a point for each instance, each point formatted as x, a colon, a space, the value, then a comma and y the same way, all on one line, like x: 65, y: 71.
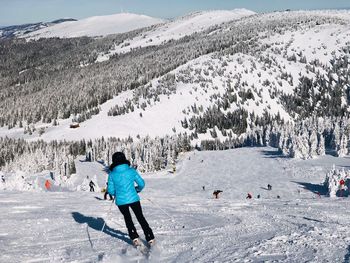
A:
x: 161, y: 117
x: 87, y: 171
x: 189, y: 225
x: 177, y: 29
x: 96, y: 26
x: 321, y: 42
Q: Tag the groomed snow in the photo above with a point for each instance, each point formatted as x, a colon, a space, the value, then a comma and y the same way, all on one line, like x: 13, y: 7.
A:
x: 191, y: 226
x: 96, y: 26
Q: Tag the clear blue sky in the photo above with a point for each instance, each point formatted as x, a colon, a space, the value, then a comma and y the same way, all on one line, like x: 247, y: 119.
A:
x: 27, y: 11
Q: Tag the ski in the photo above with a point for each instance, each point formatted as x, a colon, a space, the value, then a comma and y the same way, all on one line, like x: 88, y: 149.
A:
x: 143, y: 247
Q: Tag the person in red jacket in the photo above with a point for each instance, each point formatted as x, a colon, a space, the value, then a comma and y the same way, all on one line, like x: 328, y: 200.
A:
x: 342, y: 186
x: 47, y: 184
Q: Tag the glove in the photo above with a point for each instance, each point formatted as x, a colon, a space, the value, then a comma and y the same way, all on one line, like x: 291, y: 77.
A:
x: 137, y: 189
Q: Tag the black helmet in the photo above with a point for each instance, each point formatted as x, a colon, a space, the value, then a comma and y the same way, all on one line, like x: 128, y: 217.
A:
x: 118, y: 158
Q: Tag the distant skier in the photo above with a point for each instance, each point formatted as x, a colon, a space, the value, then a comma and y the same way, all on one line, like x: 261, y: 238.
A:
x: 121, y: 181
x: 269, y: 187
x: 3, y: 178
x: 249, y: 196
x: 48, y: 185
x: 342, y: 187
x: 92, y: 185
x: 106, y: 193
x: 52, y: 177
x: 217, y: 193
x: 258, y: 196
x: 203, y: 187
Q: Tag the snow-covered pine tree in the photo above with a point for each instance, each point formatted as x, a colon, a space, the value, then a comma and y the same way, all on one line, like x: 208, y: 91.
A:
x: 333, y: 182
x: 342, y: 146
x: 313, y: 143
x: 320, y: 145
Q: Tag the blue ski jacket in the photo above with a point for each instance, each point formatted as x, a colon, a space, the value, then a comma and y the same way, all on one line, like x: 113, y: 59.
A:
x: 121, y: 184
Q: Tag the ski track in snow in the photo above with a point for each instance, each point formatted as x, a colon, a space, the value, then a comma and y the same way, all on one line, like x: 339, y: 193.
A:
x: 190, y: 226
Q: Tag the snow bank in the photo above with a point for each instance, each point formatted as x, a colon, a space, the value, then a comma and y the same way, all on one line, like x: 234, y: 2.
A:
x: 86, y: 172
x: 21, y: 181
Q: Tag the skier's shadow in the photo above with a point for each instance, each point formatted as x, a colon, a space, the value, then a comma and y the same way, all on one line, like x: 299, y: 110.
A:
x: 97, y: 224
x: 315, y: 188
x: 273, y: 154
x: 347, y: 255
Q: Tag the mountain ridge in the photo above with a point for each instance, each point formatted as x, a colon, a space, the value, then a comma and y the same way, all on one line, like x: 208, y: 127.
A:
x: 277, y: 79
x: 12, y: 31
x: 97, y: 26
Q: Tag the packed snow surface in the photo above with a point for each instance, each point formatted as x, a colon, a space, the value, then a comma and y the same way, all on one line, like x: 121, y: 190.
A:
x: 189, y: 225
x: 97, y: 26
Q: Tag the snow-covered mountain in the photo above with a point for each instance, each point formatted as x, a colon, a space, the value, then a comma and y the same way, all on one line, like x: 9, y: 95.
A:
x: 255, y: 78
x: 278, y: 79
x: 207, y: 81
x: 176, y: 29
x: 22, y: 30
x: 97, y: 26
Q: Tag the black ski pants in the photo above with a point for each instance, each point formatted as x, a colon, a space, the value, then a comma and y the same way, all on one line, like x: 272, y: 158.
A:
x: 136, y: 208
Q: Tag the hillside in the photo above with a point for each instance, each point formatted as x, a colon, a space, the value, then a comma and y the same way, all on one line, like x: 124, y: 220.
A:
x: 271, y: 66
x: 9, y: 32
x: 176, y: 29
x: 277, y: 79
x: 96, y: 26
x: 188, y: 223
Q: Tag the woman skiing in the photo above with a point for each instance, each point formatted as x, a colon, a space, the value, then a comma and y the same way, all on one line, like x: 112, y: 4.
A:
x: 121, y: 185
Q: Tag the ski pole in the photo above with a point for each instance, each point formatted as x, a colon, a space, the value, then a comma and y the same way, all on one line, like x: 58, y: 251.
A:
x: 160, y: 208
x: 172, y: 218
x: 104, y: 223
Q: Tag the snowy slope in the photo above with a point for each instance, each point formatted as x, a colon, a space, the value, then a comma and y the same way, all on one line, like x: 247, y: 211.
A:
x: 191, y: 226
x: 161, y: 117
x: 177, y: 29
x: 320, y: 43
x: 200, y: 80
x: 97, y: 26
x: 22, y: 30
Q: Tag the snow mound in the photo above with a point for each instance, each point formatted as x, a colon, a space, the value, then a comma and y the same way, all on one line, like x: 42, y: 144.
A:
x: 41, y: 182
x: 96, y: 26
x: 86, y: 172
